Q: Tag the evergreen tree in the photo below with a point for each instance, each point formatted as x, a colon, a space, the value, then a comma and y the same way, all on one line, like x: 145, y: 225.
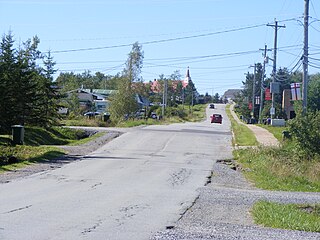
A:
x: 47, y: 103
x: 26, y: 93
x: 8, y: 72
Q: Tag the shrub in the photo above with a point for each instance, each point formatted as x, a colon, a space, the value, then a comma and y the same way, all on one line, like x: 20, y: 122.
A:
x: 306, y: 131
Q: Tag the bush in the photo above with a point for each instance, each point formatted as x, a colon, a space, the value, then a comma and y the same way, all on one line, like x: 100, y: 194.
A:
x: 175, y: 112
x: 306, y: 131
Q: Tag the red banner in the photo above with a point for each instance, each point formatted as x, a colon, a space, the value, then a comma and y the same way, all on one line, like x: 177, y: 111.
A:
x: 250, y: 106
x: 267, y: 94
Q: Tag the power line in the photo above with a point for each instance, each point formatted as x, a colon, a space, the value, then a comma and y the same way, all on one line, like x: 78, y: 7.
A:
x: 160, y: 41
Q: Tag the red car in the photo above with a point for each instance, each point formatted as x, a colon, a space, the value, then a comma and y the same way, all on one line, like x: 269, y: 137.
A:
x: 216, y: 118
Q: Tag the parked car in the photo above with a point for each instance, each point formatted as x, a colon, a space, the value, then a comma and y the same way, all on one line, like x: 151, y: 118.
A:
x: 153, y: 115
x: 216, y: 118
x: 91, y: 114
x: 211, y: 106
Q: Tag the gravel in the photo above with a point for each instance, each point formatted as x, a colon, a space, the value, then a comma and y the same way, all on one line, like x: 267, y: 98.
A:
x: 74, y: 153
x: 222, y: 211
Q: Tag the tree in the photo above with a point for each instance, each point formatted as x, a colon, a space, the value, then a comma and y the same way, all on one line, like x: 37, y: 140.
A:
x: 25, y: 87
x: 124, y: 101
x: 68, y: 82
x: 216, y: 98
x: 189, y: 92
x: 247, y: 93
x: 134, y: 63
x: 8, y: 72
x: 314, y: 93
x: 48, y: 95
x: 207, y: 98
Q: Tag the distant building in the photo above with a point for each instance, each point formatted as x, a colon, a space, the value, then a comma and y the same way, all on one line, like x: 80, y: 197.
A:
x: 231, y: 94
x: 93, y: 99
x: 287, y: 105
x: 155, y: 86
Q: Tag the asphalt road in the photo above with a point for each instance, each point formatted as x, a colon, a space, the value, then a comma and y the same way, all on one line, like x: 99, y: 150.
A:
x: 134, y: 186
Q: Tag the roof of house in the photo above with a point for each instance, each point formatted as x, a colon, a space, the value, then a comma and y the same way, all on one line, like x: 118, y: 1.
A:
x: 231, y: 93
x: 103, y: 92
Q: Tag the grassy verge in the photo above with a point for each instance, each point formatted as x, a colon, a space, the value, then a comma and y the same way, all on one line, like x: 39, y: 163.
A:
x: 287, y: 216
x: 174, y: 115
x: 27, y: 155
x: 243, y: 136
x: 85, y: 122
x: 36, y: 146
x: 279, y: 169
x: 283, y: 169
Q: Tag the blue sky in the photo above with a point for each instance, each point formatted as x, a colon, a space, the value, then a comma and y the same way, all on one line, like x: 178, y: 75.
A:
x: 217, y: 39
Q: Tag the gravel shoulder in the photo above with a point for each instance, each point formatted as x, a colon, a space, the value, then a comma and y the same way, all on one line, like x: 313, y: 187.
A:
x: 222, y: 211
x: 73, y: 153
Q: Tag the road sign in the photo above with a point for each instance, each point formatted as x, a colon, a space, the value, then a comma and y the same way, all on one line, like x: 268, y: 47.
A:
x: 272, y: 111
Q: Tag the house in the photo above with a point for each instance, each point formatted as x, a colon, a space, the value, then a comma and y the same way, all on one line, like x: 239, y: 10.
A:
x: 156, y: 86
x: 231, y: 94
x: 92, y: 99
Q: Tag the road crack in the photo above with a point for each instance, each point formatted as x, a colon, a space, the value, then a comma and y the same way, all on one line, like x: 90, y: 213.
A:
x: 18, y: 209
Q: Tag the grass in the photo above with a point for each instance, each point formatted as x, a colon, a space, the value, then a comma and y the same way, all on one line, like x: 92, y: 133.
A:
x: 194, y: 114
x: 86, y: 140
x: 288, y: 216
x: 36, y: 146
x: 85, y: 122
x: 283, y: 169
x: 28, y: 155
x: 279, y: 169
x: 197, y: 113
x: 276, y: 131
x: 243, y: 136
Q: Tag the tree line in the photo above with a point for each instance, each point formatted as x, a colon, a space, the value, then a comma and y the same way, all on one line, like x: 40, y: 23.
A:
x: 30, y: 96
x: 27, y: 93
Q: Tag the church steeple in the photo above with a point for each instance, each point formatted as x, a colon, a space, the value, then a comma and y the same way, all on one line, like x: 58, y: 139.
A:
x: 187, y: 78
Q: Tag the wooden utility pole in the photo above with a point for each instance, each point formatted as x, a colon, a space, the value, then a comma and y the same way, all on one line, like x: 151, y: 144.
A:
x: 274, y: 69
x: 253, y: 89
x: 305, y: 56
x: 261, y: 83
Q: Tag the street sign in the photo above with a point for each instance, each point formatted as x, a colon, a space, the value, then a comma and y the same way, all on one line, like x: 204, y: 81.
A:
x: 272, y: 111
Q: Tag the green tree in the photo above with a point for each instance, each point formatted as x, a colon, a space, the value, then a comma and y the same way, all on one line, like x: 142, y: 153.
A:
x: 314, y: 93
x: 25, y: 87
x: 216, y: 98
x: 68, y: 81
x: 48, y: 94
x: 124, y: 101
x: 8, y: 73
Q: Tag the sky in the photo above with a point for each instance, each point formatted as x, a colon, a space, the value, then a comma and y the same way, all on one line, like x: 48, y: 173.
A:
x: 219, y: 40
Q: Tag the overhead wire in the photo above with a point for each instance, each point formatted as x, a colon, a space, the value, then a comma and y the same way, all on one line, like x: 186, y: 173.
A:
x: 166, y: 40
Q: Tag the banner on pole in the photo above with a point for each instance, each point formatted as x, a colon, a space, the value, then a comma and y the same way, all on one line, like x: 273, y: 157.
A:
x: 267, y: 94
x: 296, y: 91
x: 257, y: 100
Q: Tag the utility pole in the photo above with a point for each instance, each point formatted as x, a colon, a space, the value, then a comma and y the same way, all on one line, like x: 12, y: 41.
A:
x: 274, y: 69
x: 164, y: 96
x: 253, y: 89
x: 305, y: 56
x: 261, y: 82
